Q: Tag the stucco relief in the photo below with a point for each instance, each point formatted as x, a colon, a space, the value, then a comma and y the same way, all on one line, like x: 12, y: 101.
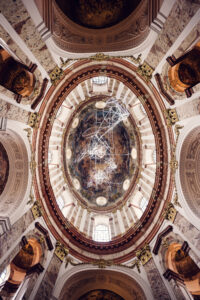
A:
x: 74, y: 37
x: 189, y: 170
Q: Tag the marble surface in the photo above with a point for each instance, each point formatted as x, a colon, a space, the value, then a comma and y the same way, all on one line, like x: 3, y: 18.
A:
x: 180, y: 15
x: 158, y: 287
x: 48, y: 282
x: 13, y: 46
x: 183, y: 112
x: 188, y: 230
x: 192, y: 37
x: 176, y: 289
x: 17, y: 15
x: 8, y: 239
x: 13, y: 112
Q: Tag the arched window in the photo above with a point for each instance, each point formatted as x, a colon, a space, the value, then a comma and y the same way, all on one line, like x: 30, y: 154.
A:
x: 143, y: 204
x: 100, y: 80
x: 101, y: 233
x: 60, y: 202
x: 154, y: 156
x: 49, y: 157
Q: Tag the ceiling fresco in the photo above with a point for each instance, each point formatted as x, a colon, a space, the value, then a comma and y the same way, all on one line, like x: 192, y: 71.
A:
x: 97, y: 14
x: 98, y: 149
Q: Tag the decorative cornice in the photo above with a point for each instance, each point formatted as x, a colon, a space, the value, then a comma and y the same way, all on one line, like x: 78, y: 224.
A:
x: 102, y: 264
x: 101, y: 57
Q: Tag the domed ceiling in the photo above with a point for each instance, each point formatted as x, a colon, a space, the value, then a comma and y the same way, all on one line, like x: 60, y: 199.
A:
x: 102, y: 151
x: 97, y: 14
x: 89, y: 26
x: 99, y: 151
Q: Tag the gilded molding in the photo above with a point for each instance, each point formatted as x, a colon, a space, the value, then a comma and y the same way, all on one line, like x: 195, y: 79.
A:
x: 175, y: 200
x: 171, y: 116
x: 144, y: 254
x: 60, y: 251
x: 145, y: 70
x: 170, y: 212
x: 56, y: 75
x: 33, y: 120
x: 101, y: 57
x: 102, y: 263
x: 36, y: 210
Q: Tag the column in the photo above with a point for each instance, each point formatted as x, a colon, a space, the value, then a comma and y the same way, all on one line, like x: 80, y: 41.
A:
x: 32, y: 277
x: 157, y: 285
x: 48, y: 282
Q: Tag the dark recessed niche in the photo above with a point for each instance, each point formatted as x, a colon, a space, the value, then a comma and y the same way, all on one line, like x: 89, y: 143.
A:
x: 100, y: 295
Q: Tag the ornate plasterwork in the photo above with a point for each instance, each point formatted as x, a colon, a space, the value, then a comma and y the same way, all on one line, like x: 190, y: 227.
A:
x: 73, y: 37
x: 128, y: 239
